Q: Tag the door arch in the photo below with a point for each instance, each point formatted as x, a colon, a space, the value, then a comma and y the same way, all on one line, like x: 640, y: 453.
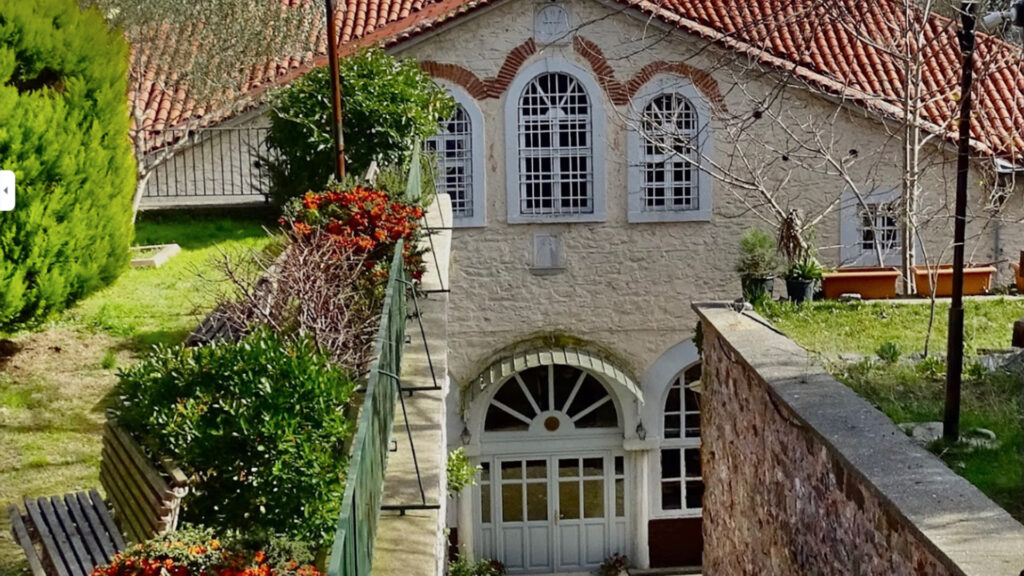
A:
x: 554, y: 478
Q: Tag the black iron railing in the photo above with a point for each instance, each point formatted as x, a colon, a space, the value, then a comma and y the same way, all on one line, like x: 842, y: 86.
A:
x: 216, y: 163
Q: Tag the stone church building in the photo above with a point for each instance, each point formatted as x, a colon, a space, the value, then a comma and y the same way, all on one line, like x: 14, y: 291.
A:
x: 600, y: 184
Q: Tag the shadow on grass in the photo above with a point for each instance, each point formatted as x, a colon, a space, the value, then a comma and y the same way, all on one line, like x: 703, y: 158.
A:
x: 197, y: 229
x: 144, y: 341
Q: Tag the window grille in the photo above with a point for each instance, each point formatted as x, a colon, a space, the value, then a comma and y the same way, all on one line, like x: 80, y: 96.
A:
x: 681, y: 486
x: 878, y: 224
x: 555, y: 147
x: 453, y: 152
x: 542, y: 391
x: 670, y: 159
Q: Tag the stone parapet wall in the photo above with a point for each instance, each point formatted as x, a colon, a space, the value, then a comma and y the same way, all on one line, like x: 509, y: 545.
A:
x: 804, y: 477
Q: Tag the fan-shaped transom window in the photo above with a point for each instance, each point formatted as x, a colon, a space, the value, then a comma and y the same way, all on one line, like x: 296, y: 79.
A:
x: 681, y: 484
x: 552, y: 399
x: 555, y: 147
x: 453, y: 155
x: 670, y: 159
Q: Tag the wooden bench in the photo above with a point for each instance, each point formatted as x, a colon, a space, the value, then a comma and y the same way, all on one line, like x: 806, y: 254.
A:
x: 214, y: 327
x: 146, y: 501
x: 74, y: 533
x: 70, y: 535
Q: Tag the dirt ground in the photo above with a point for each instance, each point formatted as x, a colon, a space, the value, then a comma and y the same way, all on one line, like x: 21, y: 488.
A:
x: 54, y: 387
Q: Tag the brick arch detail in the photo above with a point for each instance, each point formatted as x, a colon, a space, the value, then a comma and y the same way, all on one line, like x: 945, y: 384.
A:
x: 618, y: 92
x: 492, y: 87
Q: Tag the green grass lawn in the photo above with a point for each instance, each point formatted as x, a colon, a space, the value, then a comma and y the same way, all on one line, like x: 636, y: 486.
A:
x: 911, y: 390
x: 161, y: 305
x: 54, y: 390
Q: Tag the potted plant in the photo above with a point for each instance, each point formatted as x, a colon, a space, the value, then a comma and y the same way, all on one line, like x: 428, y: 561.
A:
x: 757, y: 265
x: 614, y: 565
x: 801, y: 278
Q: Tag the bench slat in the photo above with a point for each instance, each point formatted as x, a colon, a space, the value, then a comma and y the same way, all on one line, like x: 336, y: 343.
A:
x: 101, y: 511
x: 139, y: 492
x: 134, y: 527
x: 62, y: 520
x: 157, y: 510
x: 133, y: 459
x: 90, y: 537
x: 109, y: 543
x: 53, y: 543
x: 22, y: 537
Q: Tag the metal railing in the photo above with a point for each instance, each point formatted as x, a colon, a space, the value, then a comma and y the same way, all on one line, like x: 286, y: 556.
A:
x: 352, y: 551
x: 219, y: 162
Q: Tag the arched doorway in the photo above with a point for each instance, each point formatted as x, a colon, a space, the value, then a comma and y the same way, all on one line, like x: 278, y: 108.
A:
x: 552, y: 493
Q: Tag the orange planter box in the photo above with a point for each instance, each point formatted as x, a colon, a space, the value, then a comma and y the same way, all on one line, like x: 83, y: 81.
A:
x: 977, y: 280
x: 871, y: 283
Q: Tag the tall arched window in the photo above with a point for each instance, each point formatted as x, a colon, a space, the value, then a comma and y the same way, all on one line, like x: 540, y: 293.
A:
x: 555, y: 145
x: 555, y: 162
x: 681, y: 487
x: 670, y: 159
x: 667, y: 143
x: 458, y: 156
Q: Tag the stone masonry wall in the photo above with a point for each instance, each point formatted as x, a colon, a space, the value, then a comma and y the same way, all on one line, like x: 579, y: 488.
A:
x: 626, y: 287
x: 803, y: 477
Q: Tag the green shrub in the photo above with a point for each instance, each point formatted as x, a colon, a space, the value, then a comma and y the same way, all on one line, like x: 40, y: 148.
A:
x: 889, y: 352
x: 484, y: 567
x: 259, y: 424
x: 758, y: 255
x: 932, y: 367
x: 389, y: 105
x: 460, y: 472
x: 64, y: 132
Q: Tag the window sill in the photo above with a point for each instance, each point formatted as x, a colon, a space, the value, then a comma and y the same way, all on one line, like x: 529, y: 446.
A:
x: 676, y: 514
x: 680, y: 216
x: 555, y: 218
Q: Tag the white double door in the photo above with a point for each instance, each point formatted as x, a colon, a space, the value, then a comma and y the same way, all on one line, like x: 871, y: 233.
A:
x: 558, y: 513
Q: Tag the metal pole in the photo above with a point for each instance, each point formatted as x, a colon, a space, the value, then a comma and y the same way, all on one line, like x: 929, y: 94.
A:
x: 955, y: 338
x: 332, y: 59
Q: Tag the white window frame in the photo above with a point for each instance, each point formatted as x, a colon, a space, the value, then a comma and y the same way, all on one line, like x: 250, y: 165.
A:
x: 597, y: 140
x: 659, y: 85
x: 851, y: 210
x: 682, y: 443
x: 478, y: 191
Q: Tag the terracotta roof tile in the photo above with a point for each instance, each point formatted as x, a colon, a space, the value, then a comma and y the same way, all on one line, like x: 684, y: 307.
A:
x: 836, y: 46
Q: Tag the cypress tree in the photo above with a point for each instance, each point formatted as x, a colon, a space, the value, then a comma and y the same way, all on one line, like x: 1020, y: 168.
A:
x: 64, y: 132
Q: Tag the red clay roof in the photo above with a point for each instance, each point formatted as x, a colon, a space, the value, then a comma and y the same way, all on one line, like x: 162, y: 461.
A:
x: 842, y: 47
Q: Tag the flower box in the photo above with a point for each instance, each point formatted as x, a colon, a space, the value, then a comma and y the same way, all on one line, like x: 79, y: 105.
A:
x: 977, y: 279
x: 870, y: 282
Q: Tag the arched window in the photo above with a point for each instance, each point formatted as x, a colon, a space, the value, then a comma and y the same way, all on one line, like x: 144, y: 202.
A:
x: 670, y: 160
x: 668, y: 140
x: 555, y: 145
x: 458, y: 155
x: 551, y: 398
x: 681, y: 487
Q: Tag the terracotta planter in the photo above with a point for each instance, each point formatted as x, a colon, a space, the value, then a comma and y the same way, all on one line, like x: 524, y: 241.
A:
x: 977, y: 280
x: 1017, y: 277
x: 871, y: 283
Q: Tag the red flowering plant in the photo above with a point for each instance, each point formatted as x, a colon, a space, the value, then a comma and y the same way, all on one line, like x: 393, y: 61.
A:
x: 197, y: 552
x: 363, y: 222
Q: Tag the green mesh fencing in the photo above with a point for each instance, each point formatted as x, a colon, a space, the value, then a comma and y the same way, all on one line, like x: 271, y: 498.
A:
x: 352, y: 550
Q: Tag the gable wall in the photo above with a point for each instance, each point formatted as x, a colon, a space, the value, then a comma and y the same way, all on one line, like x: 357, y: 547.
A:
x: 626, y: 286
